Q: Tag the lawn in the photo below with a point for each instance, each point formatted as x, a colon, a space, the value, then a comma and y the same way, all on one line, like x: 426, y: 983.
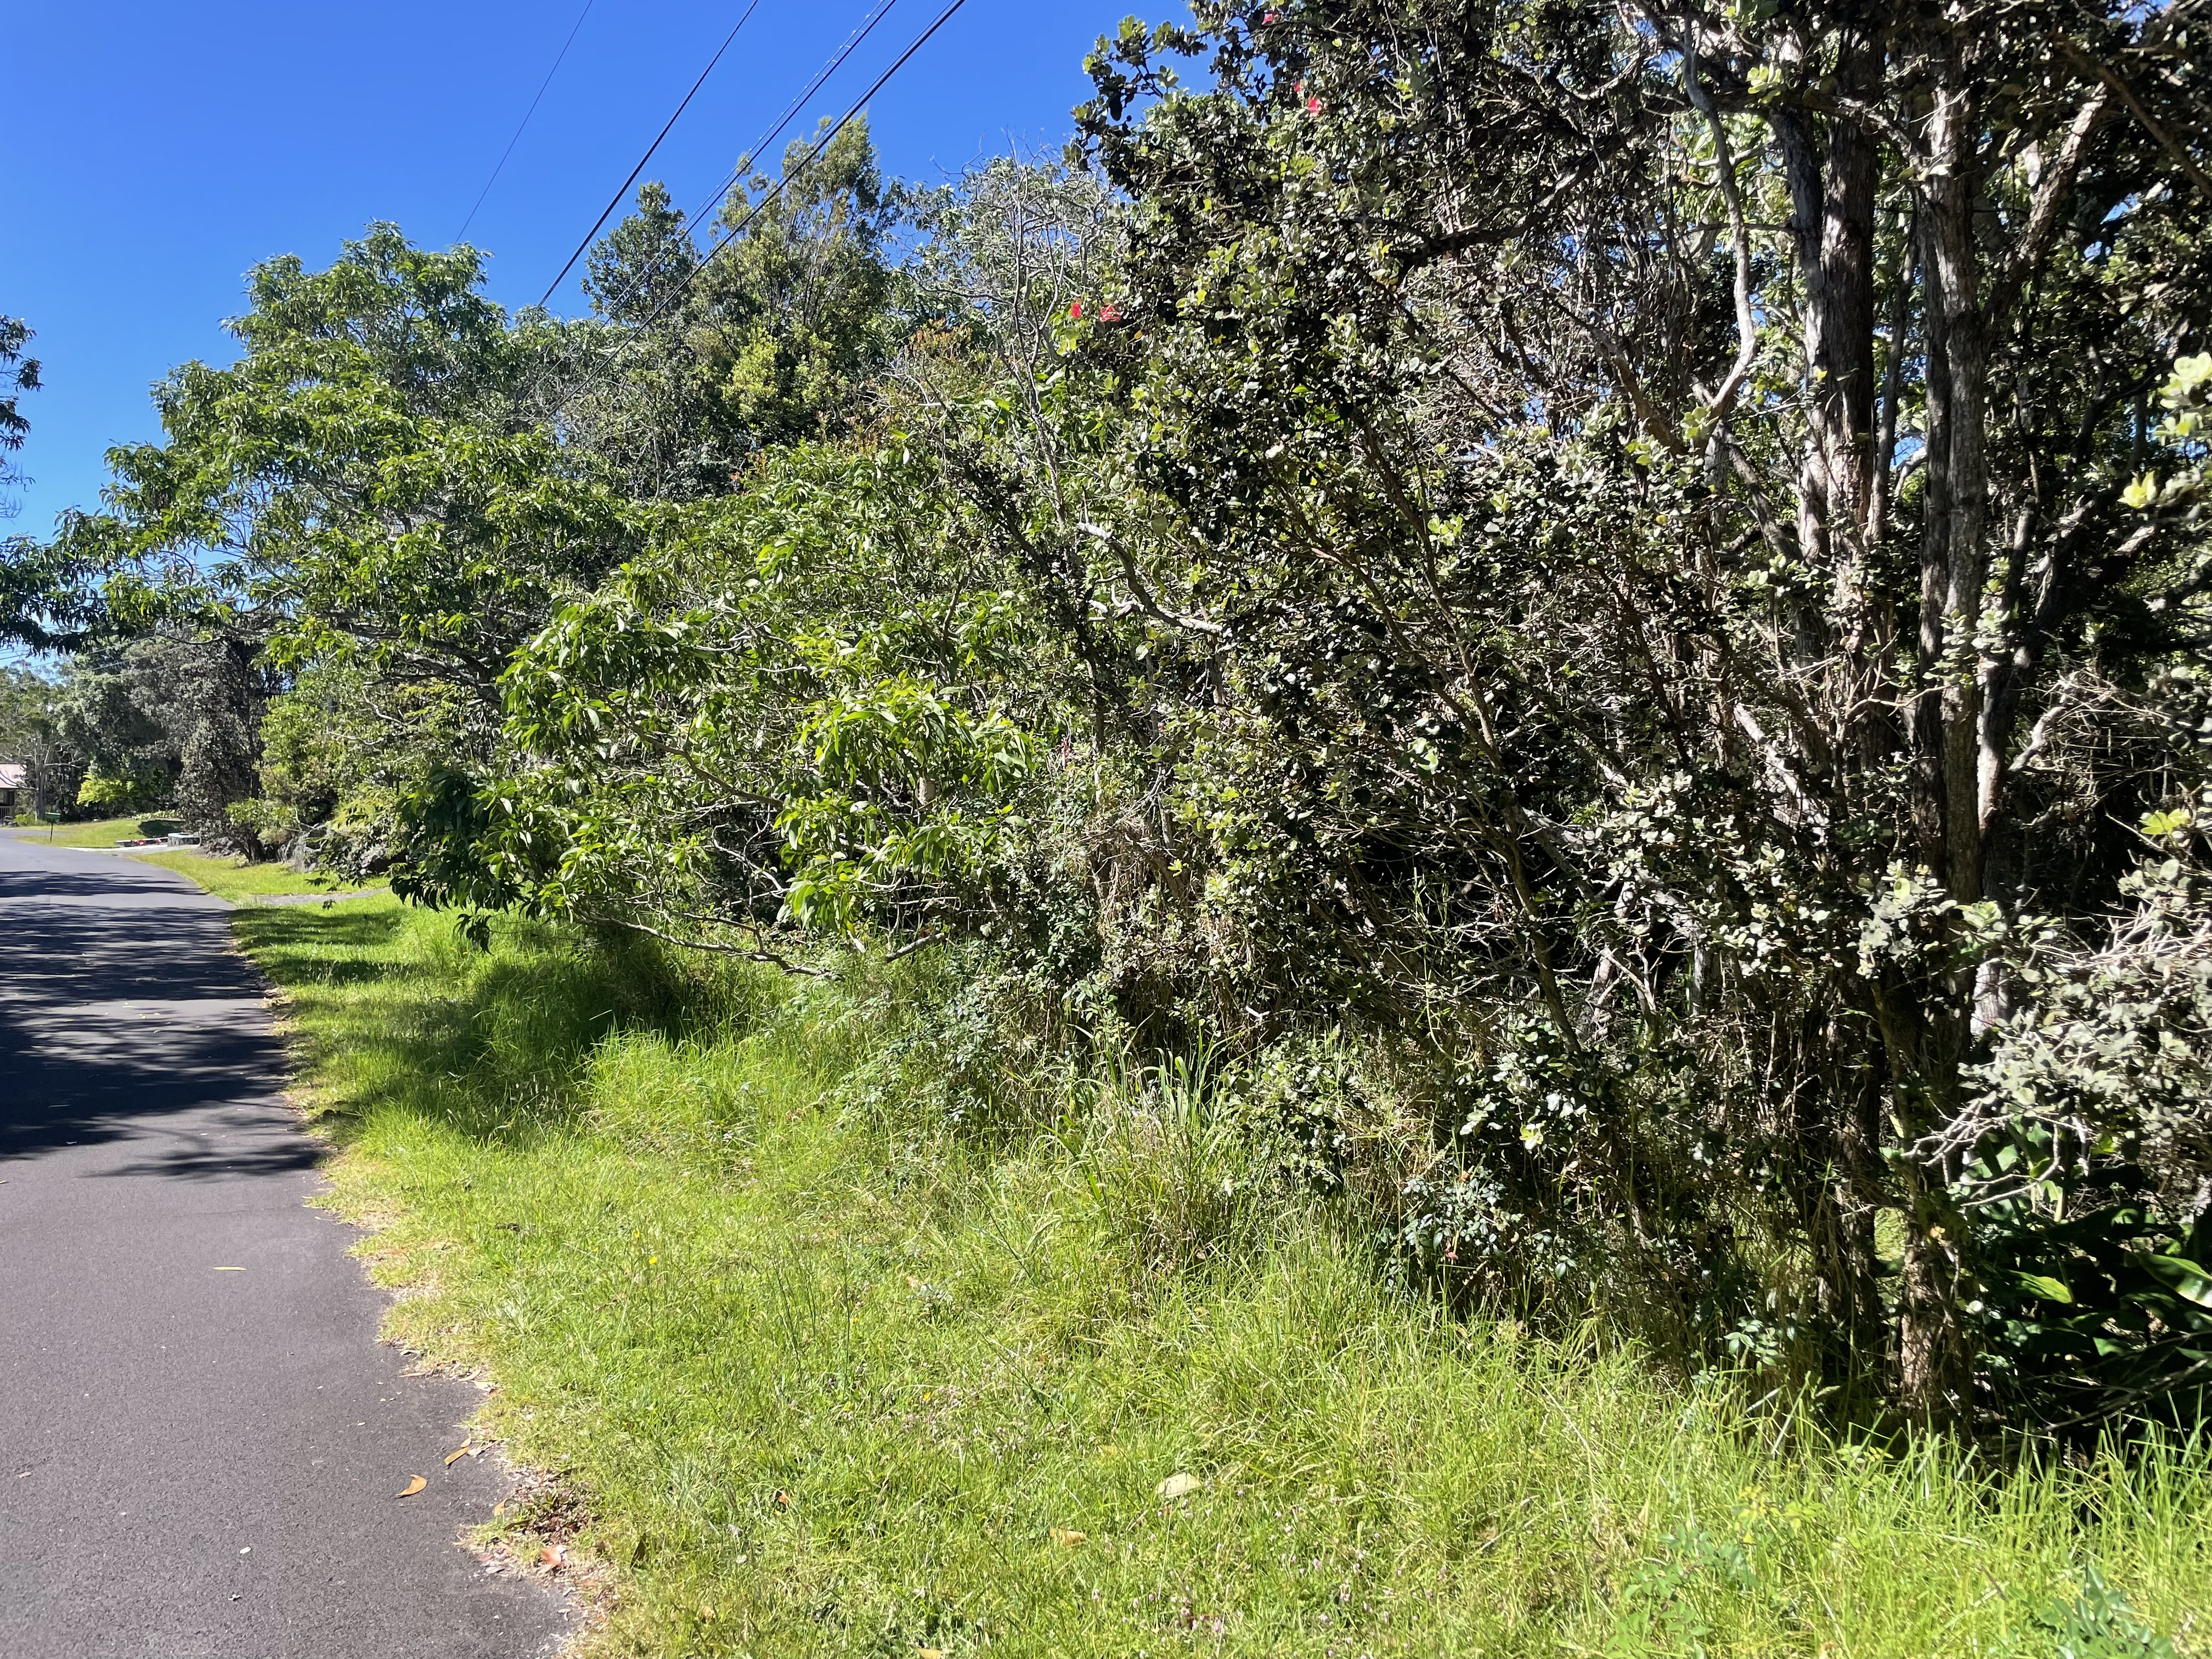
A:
x: 823, y: 1373
x: 242, y: 883
x: 106, y: 832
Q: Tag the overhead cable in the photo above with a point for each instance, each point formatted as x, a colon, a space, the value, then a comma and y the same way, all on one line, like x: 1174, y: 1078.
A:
x: 622, y: 194
x: 558, y: 60
x: 760, y: 145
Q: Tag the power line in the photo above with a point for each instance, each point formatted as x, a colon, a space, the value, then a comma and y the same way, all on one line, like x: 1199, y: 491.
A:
x: 836, y: 62
x: 791, y: 174
x: 620, y: 196
x: 760, y: 145
x: 524, y: 122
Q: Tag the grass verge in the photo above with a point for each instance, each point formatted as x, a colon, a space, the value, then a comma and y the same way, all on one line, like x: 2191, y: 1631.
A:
x: 104, y: 832
x: 242, y: 883
x: 824, y: 1376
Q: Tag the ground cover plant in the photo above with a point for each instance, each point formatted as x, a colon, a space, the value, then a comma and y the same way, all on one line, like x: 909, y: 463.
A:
x: 821, y: 1374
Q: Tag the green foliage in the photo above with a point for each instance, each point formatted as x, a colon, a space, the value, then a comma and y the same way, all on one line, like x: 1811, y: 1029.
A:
x: 18, y: 374
x: 39, y: 606
x: 793, y: 316
x: 2099, y: 1624
x: 29, y: 734
x: 794, y: 710
x: 641, y: 267
x: 103, y: 792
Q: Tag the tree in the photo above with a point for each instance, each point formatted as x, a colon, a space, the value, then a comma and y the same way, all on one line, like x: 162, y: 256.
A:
x: 18, y: 374
x: 1722, y: 639
x: 793, y: 316
x: 29, y: 738
x: 366, y: 483
x: 38, y: 607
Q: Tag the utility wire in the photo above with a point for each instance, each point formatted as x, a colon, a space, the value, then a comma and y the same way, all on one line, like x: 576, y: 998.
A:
x: 747, y: 158
x: 620, y: 196
x: 524, y: 122
x: 791, y: 174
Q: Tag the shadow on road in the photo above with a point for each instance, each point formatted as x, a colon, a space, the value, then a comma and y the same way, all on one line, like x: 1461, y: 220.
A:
x: 120, y: 999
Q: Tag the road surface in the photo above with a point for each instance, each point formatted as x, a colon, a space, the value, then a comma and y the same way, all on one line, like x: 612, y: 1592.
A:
x: 200, y: 1437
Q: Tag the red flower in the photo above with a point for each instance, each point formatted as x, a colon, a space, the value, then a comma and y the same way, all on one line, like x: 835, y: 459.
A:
x: 1313, y: 105
x: 1110, y: 313
x: 1076, y: 311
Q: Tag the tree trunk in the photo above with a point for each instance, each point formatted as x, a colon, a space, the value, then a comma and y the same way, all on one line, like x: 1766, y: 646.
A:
x: 1935, y: 1349
x: 1924, y: 1042
x: 1955, y: 288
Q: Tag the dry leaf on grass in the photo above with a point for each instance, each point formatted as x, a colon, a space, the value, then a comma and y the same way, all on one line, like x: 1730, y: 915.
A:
x: 413, y: 1487
x: 1179, y: 1486
x: 553, y: 1557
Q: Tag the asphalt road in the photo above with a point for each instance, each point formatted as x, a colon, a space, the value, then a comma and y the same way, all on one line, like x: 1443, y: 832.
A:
x: 200, y: 1437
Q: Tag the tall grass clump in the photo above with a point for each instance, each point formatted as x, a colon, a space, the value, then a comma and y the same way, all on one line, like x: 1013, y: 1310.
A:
x: 835, y: 1353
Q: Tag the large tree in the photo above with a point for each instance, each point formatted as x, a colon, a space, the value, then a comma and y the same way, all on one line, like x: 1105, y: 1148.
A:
x: 1653, y: 488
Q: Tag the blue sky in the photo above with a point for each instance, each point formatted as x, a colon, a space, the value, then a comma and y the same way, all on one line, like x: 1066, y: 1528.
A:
x: 154, y: 152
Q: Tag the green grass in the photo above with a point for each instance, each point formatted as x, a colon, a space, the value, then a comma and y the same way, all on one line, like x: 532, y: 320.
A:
x: 821, y: 1376
x: 242, y: 883
x: 106, y: 832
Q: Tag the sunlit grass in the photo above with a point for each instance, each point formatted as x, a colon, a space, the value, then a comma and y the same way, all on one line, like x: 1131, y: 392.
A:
x: 106, y: 832
x: 830, y: 1380
x: 235, y: 879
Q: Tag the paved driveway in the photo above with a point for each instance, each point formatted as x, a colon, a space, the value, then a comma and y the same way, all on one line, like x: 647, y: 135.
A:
x: 200, y: 1437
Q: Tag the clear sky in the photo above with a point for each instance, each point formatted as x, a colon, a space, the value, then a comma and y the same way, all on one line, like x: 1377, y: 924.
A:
x: 156, y: 151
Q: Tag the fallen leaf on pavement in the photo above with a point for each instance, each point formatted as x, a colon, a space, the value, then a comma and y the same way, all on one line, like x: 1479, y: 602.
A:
x: 453, y: 1458
x: 413, y: 1487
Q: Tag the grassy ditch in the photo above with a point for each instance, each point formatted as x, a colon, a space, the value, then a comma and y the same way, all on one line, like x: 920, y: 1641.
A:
x: 822, y: 1377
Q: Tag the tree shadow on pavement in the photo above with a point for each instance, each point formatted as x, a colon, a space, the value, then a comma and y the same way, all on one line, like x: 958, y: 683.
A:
x: 122, y: 1001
